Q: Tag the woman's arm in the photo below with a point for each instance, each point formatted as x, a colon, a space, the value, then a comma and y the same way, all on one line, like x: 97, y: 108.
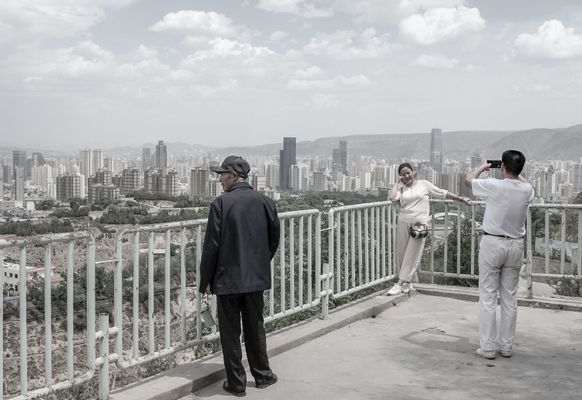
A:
x: 456, y: 197
x: 395, y: 191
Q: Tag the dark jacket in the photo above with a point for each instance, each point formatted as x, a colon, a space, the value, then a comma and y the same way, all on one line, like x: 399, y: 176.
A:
x: 242, y: 237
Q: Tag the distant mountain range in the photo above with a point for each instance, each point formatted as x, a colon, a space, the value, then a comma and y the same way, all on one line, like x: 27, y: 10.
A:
x: 536, y: 144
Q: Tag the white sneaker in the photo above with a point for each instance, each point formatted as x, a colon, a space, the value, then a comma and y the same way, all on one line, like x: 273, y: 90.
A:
x: 396, y: 289
x: 490, y: 355
x: 407, y: 287
x: 504, y: 352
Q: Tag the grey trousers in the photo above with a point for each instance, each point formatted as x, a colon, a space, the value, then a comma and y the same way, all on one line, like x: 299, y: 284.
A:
x: 500, y: 261
x: 408, y: 253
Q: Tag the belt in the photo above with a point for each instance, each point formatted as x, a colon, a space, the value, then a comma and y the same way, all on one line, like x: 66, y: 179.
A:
x: 501, y: 236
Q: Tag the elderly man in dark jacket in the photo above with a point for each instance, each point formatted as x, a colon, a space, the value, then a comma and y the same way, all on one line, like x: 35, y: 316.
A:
x: 242, y: 237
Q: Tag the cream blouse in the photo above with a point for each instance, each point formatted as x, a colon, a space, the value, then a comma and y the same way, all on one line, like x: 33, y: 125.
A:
x: 414, y: 200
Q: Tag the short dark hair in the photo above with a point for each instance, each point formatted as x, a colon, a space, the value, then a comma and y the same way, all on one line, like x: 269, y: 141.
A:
x: 404, y: 165
x: 513, y: 161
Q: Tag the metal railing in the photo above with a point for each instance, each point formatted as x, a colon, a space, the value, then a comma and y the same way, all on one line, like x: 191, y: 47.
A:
x: 360, y: 246
x: 155, y: 270
x: 43, y: 248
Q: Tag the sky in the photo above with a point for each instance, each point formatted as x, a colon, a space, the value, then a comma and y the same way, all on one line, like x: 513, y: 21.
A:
x: 106, y: 73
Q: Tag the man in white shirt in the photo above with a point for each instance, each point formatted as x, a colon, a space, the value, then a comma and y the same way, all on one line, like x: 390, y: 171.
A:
x: 500, y: 250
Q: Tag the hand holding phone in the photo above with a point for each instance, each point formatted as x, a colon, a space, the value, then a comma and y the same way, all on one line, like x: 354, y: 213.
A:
x: 494, y: 163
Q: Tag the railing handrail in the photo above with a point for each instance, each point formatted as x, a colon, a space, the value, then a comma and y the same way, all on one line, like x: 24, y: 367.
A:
x: 360, y: 255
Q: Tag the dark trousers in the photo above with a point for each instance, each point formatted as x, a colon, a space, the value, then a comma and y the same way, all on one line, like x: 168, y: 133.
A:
x: 231, y: 308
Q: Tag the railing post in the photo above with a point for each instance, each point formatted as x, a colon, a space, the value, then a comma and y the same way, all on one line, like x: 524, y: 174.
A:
x: 104, y: 356
x: 529, y: 253
x: 326, y: 277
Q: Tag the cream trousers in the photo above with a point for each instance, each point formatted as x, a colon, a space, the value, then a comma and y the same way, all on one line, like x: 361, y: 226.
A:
x: 500, y: 260
x: 408, y: 253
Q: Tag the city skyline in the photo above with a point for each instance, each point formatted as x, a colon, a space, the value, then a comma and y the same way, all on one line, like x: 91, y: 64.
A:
x: 219, y: 73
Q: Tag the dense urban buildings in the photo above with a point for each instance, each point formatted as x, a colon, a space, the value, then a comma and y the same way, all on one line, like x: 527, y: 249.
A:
x: 63, y: 178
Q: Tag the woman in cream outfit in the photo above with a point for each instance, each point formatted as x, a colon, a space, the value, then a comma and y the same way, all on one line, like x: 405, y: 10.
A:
x: 414, y: 198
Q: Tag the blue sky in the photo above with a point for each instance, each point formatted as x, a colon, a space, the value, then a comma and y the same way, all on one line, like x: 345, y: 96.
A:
x: 105, y: 73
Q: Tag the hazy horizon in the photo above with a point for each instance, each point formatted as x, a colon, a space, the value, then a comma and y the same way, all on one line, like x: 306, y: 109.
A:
x: 223, y: 73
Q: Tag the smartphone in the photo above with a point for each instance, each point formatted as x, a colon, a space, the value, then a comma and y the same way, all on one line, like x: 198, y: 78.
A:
x: 494, y: 163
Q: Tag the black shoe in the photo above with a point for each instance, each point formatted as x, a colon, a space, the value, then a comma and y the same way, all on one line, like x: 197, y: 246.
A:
x: 268, y: 383
x: 237, y: 392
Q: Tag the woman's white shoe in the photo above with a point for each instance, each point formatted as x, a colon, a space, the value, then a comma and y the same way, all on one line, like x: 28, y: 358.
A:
x: 406, y: 287
x: 396, y: 289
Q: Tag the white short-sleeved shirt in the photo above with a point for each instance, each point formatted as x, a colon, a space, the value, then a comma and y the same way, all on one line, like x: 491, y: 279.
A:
x: 414, y: 201
x: 506, y: 202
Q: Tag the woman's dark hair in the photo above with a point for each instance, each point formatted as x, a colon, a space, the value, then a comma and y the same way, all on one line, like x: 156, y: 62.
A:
x: 404, y: 165
x: 513, y: 161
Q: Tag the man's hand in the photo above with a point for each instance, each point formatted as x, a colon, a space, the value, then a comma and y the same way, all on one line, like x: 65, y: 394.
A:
x: 208, y: 291
x: 475, y: 174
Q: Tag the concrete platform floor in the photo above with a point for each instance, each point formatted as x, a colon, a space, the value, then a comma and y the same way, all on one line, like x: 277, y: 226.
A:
x: 424, y: 349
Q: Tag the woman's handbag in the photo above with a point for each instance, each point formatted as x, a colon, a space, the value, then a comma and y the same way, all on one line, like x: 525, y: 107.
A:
x: 418, y: 230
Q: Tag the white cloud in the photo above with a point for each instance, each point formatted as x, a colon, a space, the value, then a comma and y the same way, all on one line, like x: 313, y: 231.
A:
x: 441, y: 24
x: 437, y: 61
x: 223, y: 48
x: 349, y: 44
x: 339, y: 82
x: 323, y: 101
x: 552, y: 40
x: 300, y: 8
x: 55, y: 18
x: 207, y: 22
x: 472, y: 68
x: 311, y: 72
x: 413, y: 6
x: 278, y: 35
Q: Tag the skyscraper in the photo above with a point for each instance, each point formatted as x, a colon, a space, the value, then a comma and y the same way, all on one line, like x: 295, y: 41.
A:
x: 68, y: 186
x: 146, y: 158
x: 18, y: 160
x: 97, y: 160
x: 340, y: 158
x: 198, y: 182
x: 19, y: 183
x: 161, y: 155
x: 37, y: 159
x: 129, y: 180
x: 436, y: 149
x: 287, y: 158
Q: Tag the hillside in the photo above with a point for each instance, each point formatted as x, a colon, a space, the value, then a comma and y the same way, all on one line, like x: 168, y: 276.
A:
x: 537, y: 144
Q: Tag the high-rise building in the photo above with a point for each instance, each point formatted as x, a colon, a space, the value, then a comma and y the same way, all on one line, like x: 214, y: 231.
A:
x: 7, y: 173
x: 161, y: 181
x: 97, y: 160
x: 475, y: 161
x: 318, y: 181
x: 18, y: 160
x: 37, y: 159
x: 102, y: 177
x: 129, y: 181
x: 577, y: 177
x: 19, y: 183
x: 198, y: 182
x: 214, y: 188
x: 146, y: 158
x: 340, y: 158
x: 272, y: 175
x: 161, y: 155
x: 287, y: 158
x: 68, y: 186
x: 436, y: 149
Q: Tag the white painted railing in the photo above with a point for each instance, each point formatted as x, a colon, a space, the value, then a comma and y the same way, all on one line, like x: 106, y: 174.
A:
x: 156, y: 270
x: 360, y: 246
